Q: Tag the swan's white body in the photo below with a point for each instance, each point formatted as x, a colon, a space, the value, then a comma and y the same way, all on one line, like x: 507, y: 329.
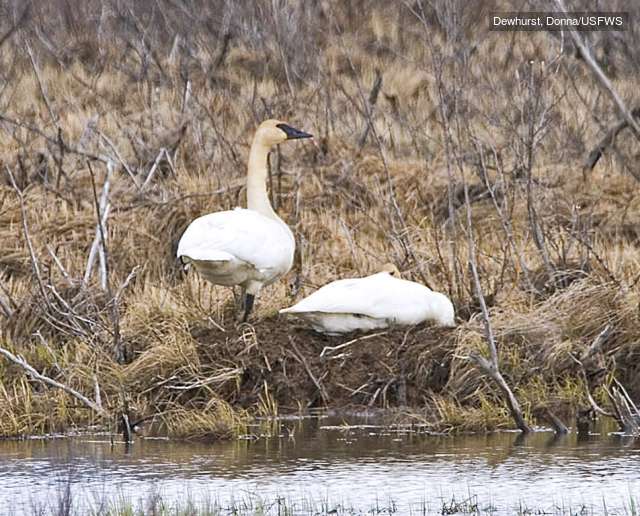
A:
x: 249, y: 247
x: 377, y: 301
x: 238, y: 247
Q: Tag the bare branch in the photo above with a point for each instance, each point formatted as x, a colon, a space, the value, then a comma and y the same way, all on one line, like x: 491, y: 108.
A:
x: 607, y: 141
x: 373, y: 98
x: 104, y: 261
x: 19, y: 361
x: 152, y: 171
x: 490, y: 368
x: 103, y: 208
x: 57, y: 140
x: 25, y: 228
x: 21, y: 19
x: 300, y: 358
x: 119, y: 158
x: 41, y: 86
x: 600, y: 76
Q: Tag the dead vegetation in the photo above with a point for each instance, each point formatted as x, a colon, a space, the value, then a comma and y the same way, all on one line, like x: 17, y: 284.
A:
x: 439, y: 145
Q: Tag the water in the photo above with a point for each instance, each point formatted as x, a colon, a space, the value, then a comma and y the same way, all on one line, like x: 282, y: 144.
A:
x: 316, y: 460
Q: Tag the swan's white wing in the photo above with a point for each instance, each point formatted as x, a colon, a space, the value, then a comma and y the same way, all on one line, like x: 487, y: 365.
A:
x: 335, y: 297
x: 239, y: 234
x: 379, y: 296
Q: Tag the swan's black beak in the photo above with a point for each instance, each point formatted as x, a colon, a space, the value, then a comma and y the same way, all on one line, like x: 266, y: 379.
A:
x: 293, y: 133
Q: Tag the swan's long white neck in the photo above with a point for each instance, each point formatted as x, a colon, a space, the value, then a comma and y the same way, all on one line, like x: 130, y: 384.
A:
x: 257, y: 196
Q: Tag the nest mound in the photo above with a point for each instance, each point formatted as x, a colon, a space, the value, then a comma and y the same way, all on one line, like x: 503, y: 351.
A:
x: 300, y: 368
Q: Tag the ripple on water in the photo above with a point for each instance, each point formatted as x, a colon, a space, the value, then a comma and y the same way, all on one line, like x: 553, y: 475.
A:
x: 358, y: 464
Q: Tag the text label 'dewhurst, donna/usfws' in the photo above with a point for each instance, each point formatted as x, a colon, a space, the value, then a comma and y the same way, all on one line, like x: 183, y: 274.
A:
x: 581, y: 21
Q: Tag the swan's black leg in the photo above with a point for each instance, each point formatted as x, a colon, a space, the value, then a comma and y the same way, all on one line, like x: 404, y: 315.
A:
x: 248, y: 305
x: 238, y: 301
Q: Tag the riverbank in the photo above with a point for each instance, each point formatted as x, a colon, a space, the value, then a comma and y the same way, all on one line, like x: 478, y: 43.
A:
x: 194, y: 378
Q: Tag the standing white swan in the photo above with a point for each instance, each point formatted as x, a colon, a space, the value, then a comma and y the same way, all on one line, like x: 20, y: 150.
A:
x: 249, y: 247
x: 377, y: 301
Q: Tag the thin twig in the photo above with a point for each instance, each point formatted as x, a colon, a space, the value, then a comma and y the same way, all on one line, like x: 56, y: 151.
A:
x: 54, y: 140
x: 25, y: 228
x: 373, y: 97
x: 491, y: 368
x: 104, y: 263
x: 18, y: 360
x: 300, y: 357
x: 106, y: 139
x: 600, y: 76
x: 125, y: 284
x: 61, y: 268
x: 21, y: 19
x: 41, y: 86
x: 341, y: 346
x: 104, y: 208
x: 152, y: 171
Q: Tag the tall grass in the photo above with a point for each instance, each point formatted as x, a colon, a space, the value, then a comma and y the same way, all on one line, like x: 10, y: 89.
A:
x: 255, y: 505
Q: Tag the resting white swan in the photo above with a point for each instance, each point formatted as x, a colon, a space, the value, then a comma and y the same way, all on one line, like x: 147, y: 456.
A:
x: 249, y: 247
x: 377, y: 301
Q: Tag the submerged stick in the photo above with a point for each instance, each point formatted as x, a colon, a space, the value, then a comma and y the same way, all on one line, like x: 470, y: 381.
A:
x: 127, y: 432
x: 19, y: 361
x: 558, y: 426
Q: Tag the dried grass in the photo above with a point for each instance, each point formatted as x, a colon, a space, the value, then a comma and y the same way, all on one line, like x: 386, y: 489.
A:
x: 313, y: 66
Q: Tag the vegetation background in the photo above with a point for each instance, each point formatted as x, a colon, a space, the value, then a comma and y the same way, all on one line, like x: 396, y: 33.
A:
x: 439, y: 145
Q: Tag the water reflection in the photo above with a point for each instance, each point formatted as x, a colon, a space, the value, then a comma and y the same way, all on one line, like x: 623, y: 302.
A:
x: 321, y: 456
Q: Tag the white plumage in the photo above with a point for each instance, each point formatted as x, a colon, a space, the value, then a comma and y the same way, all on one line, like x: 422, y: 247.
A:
x: 249, y: 247
x: 238, y: 246
x: 376, y: 301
